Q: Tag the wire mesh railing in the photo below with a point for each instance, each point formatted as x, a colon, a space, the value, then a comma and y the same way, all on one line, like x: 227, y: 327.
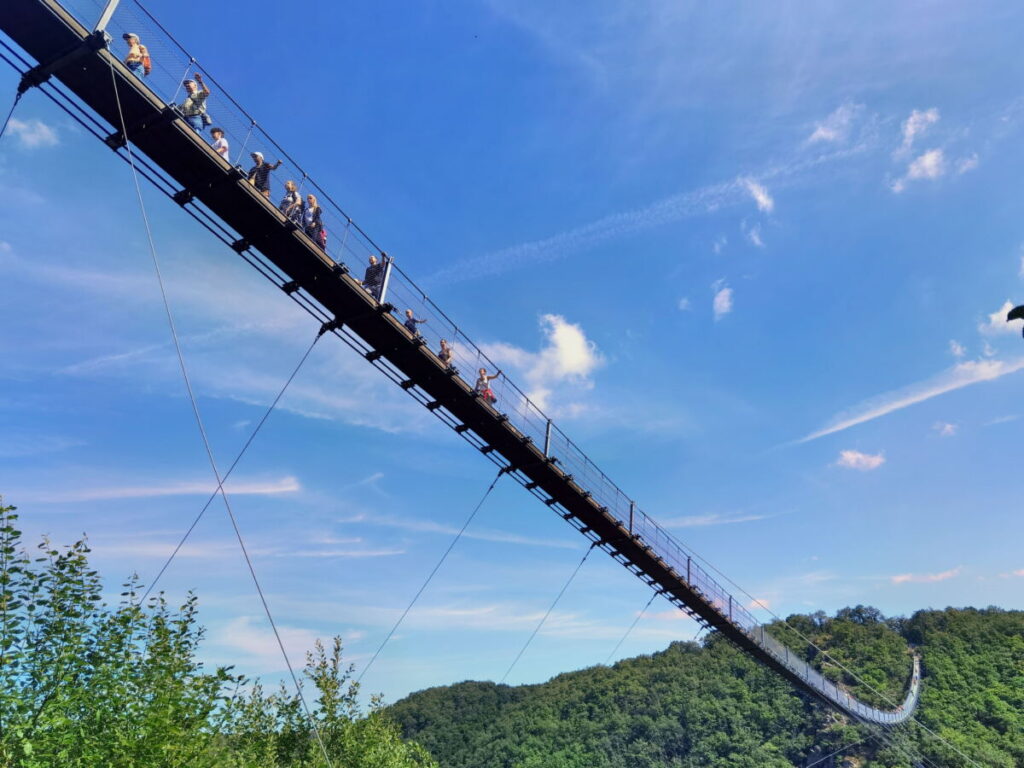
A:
x: 175, y: 77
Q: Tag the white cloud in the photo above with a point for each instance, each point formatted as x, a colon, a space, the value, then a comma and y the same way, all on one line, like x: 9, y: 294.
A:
x: 836, y: 127
x: 186, y: 488
x: 719, y: 245
x: 956, y: 349
x: 966, y: 164
x: 684, y: 304
x: 930, y: 165
x: 957, y: 377
x: 926, y: 578
x: 33, y: 134
x: 567, y: 357
x: 760, y: 194
x: 1019, y: 573
x: 916, y: 125
x: 863, y: 462
x: 997, y: 324
x: 722, y: 303
x: 945, y: 429
x: 762, y: 603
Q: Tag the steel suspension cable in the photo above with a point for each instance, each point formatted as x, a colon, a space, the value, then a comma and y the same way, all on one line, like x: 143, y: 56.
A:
x: 7, y: 120
x: 437, y: 567
x: 199, y: 420
x: 550, y: 609
x: 238, y: 458
x: 631, y: 627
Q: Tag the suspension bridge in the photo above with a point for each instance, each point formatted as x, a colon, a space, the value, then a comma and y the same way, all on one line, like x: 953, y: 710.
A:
x: 61, y: 49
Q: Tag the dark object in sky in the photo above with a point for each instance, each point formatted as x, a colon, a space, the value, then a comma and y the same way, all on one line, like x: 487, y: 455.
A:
x: 1017, y: 313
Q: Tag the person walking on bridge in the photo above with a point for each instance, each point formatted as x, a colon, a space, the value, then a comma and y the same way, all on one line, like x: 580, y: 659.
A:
x: 291, y: 204
x: 137, y: 60
x: 373, y: 279
x: 193, y: 108
x: 410, y: 323
x: 313, y: 221
x: 259, y: 174
x: 483, y: 386
x: 444, y: 354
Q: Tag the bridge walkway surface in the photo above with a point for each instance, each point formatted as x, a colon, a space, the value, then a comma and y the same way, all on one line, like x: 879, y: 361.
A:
x: 513, y: 432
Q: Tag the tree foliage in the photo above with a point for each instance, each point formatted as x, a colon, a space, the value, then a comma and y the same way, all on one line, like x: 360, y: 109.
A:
x: 710, y: 705
x: 84, y: 684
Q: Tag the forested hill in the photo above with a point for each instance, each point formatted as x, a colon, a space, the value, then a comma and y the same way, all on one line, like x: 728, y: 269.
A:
x: 708, y: 705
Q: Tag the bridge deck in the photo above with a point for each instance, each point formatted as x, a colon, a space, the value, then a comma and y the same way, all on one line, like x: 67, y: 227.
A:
x: 48, y: 32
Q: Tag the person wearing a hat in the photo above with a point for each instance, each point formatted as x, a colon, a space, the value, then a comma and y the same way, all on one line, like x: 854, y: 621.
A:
x: 193, y: 108
x: 259, y: 174
x: 137, y: 59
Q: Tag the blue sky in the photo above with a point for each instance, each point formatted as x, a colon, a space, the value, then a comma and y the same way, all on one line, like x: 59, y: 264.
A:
x: 752, y: 258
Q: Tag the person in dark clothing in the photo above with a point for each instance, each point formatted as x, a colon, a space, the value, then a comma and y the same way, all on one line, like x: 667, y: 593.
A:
x: 259, y: 174
x: 411, y: 322
x: 373, y: 280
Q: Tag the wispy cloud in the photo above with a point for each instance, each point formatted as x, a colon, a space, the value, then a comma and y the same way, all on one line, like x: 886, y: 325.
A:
x: 684, y: 304
x: 33, y: 134
x: 764, y: 201
x: 1002, y: 420
x: 925, y: 578
x: 916, y: 125
x: 945, y: 428
x: 480, y: 534
x: 700, y: 521
x: 836, y: 127
x: 863, y: 462
x: 287, y: 484
x: 753, y: 234
x: 959, y: 376
x: 956, y: 349
x: 697, y: 202
x: 965, y: 164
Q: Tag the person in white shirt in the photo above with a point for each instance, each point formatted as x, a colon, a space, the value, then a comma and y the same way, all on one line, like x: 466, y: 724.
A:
x: 220, y: 144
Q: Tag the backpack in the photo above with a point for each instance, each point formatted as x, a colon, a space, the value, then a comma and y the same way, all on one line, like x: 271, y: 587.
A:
x: 147, y: 63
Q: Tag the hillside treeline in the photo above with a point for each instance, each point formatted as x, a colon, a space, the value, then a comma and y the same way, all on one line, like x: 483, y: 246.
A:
x: 709, y: 705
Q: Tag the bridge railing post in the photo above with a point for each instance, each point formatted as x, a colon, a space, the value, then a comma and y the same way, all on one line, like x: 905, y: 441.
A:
x: 632, y: 513
x: 108, y: 12
x: 547, y: 439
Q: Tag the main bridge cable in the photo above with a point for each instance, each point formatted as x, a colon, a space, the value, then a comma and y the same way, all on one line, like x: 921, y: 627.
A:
x: 550, y: 609
x: 238, y: 458
x: 437, y: 567
x: 199, y: 421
